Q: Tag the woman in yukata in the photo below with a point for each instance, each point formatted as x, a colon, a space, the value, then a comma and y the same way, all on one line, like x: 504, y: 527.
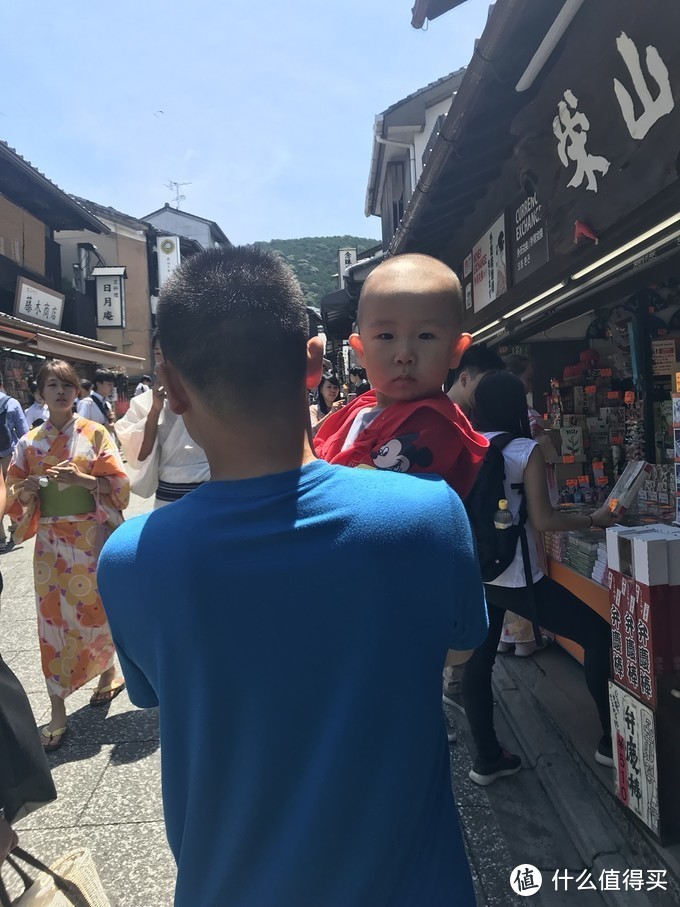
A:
x: 67, y: 487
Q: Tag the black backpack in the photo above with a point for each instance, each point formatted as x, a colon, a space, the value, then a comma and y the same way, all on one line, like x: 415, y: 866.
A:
x: 5, y: 434
x: 496, y: 548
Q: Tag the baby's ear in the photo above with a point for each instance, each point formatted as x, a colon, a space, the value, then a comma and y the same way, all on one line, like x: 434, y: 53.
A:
x: 459, y: 347
x: 357, y: 345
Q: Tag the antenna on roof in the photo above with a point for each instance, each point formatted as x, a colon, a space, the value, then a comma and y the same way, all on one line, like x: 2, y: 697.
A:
x: 175, y: 187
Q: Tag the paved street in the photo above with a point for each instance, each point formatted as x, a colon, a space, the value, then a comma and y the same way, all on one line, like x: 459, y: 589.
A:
x: 108, y: 779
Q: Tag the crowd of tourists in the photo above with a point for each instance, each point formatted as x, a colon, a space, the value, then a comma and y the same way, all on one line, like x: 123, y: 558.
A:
x: 232, y: 640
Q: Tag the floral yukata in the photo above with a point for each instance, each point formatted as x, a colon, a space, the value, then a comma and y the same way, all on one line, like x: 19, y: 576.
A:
x: 75, y: 640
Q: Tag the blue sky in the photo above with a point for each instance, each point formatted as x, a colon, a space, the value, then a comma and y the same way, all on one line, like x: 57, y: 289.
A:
x: 266, y: 107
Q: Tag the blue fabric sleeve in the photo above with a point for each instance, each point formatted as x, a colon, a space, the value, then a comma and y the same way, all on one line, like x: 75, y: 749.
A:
x: 470, y: 619
x: 18, y: 418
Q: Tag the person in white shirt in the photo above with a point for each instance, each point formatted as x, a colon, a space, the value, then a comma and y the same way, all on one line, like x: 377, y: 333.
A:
x: 96, y: 407
x: 144, y: 385
x: 37, y: 412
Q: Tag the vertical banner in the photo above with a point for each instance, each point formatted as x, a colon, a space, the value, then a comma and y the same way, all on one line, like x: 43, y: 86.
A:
x: 346, y: 258
x: 167, y: 249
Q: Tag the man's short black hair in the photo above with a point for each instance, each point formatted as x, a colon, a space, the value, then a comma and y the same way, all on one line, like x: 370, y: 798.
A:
x: 86, y: 384
x: 233, y: 322
x: 103, y: 374
x: 476, y: 360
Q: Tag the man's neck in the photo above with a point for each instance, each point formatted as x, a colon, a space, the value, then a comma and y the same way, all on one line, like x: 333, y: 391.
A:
x: 248, y: 449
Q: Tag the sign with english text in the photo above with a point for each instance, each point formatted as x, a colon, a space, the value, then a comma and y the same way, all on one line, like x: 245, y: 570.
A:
x: 529, y: 237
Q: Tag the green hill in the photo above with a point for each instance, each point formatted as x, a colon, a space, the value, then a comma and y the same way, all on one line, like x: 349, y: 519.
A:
x: 315, y: 260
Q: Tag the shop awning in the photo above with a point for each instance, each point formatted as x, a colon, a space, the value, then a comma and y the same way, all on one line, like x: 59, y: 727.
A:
x: 69, y: 349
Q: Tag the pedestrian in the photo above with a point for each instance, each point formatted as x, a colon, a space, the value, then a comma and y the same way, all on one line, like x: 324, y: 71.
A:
x: 143, y: 386
x: 70, y: 524
x: 13, y: 425
x: 499, y: 405
x: 310, y: 785
x: 96, y: 407
x: 409, y: 336
x: 328, y: 401
x: 162, y: 458
x: 475, y: 362
x: 518, y: 634
x: 357, y: 380
x: 37, y: 412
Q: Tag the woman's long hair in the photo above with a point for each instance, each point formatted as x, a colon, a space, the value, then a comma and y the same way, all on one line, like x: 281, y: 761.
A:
x: 323, y: 406
x: 500, y: 404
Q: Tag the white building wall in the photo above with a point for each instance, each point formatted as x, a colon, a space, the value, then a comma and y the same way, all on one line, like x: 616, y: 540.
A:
x: 422, y: 138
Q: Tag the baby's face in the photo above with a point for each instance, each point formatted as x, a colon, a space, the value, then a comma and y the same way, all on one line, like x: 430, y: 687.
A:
x: 409, y: 341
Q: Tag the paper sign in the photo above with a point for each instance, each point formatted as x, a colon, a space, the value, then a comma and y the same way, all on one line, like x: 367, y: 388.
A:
x: 569, y: 459
x: 605, y: 373
x: 629, y: 398
x: 584, y: 481
x: 572, y: 483
x: 614, y: 395
x: 591, y: 389
x: 602, y: 480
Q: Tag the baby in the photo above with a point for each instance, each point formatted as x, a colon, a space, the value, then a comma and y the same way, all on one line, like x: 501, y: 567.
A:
x: 409, y: 337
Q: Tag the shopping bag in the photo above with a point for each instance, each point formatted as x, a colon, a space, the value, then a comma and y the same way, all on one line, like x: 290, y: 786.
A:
x: 72, y: 881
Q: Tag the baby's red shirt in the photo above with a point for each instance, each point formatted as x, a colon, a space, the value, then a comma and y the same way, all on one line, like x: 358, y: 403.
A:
x: 428, y: 435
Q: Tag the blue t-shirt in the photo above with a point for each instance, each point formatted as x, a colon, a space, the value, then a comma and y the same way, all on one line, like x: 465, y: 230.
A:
x: 293, y: 629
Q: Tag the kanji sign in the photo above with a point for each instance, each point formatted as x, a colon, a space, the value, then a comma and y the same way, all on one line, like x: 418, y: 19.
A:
x: 110, y: 298
x: 39, y: 304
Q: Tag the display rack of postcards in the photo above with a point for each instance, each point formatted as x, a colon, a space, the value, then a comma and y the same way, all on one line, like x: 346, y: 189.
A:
x: 16, y: 378
x: 676, y: 450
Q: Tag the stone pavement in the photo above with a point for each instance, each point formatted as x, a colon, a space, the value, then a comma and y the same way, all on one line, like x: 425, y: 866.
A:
x: 107, y: 775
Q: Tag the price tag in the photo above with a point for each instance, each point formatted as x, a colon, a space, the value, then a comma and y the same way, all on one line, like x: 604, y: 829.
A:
x: 614, y: 395
x: 572, y: 483
x: 613, y: 504
x: 598, y: 464
x: 602, y: 480
x: 584, y: 481
x: 591, y: 389
x: 617, y: 440
x: 568, y: 459
x: 629, y: 397
x: 605, y: 373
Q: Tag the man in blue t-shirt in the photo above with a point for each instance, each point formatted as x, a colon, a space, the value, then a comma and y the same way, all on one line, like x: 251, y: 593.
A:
x: 264, y: 613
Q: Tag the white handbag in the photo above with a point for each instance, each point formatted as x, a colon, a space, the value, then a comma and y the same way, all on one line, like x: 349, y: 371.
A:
x: 72, y: 881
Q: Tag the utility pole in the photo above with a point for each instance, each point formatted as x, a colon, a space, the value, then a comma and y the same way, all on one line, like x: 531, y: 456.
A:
x: 174, y: 186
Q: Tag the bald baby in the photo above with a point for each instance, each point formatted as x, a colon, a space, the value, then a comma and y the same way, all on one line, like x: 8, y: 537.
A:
x: 409, y: 321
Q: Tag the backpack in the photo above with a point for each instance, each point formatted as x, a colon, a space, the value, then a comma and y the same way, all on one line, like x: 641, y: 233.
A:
x: 496, y: 548
x: 5, y: 433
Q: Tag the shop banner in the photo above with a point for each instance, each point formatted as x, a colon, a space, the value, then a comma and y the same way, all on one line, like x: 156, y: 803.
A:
x: 635, y: 765
x: 167, y: 249
x: 36, y: 303
x: 529, y: 237
x: 489, y: 266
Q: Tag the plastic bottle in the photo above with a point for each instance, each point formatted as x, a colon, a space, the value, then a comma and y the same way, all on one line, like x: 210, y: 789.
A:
x: 502, y: 518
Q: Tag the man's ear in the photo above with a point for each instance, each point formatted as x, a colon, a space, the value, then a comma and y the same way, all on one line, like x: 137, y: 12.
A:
x: 314, y: 361
x: 357, y: 345
x: 175, y: 391
x: 463, y: 342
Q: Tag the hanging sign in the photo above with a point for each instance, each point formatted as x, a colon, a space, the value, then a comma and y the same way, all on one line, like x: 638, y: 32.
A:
x: 529, y: 237
x: 167, y: 250
x: 489, y: 265
x: 110, y: 296
x: 39, y: 304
